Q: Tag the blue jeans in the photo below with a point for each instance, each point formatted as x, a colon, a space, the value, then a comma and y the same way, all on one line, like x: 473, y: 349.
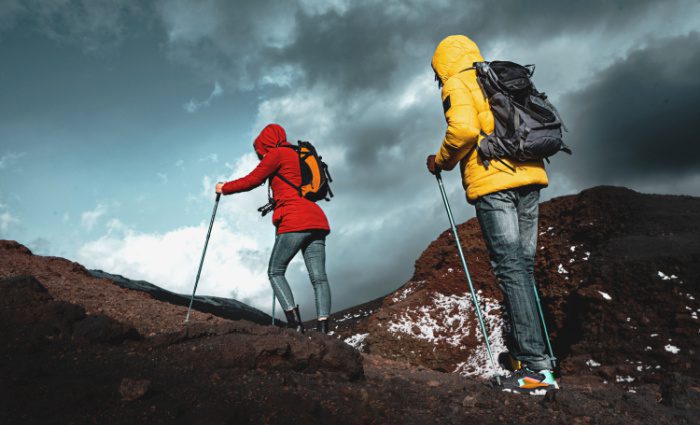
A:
x: 313, y: 247
x: 508, y: 222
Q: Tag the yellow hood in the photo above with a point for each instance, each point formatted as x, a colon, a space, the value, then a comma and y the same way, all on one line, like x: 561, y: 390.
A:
x: 454, y: 54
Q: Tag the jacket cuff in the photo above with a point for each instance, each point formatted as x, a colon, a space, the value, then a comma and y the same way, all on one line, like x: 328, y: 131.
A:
x: 438, y: 161
x: 228, y: 188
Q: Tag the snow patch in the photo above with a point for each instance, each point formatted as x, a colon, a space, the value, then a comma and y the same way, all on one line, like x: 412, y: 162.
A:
x: 627, y: 379
x: 592, y: 363
x: 672, y: 349
x: 605, y: 295
x: 573, y: 248
x: 403, y: 294
x: 562, y: 270
x: 449, y: 319
x: 357, y: 341
x: 663, y: 276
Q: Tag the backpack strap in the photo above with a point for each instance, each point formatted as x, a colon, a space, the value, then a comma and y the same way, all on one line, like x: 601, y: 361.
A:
x: 281, y: 177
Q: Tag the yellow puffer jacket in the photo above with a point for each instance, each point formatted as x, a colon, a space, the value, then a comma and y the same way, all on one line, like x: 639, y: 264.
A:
x: 467, y: 113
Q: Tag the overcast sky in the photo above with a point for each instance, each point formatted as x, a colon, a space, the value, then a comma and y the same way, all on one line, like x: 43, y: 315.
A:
x: 117, y: 118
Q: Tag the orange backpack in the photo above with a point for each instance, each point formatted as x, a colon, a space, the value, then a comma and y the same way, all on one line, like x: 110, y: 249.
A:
x: 315, y: 178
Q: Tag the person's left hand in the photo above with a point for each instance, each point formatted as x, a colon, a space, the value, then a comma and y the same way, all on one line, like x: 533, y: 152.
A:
x: 219, y: 185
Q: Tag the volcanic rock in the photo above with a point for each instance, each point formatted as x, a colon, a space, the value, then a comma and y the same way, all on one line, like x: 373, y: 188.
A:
x: 134, y: 389
x: 616, y: 271
x: 617, y: 275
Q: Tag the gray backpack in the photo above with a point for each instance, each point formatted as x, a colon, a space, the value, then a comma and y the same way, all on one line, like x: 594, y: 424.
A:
x: 527, y: 126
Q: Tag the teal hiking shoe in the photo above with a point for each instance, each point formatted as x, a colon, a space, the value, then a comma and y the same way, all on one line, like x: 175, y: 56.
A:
x: 525, y: 381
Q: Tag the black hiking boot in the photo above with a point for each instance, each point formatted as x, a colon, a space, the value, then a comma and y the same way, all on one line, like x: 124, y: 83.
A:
x: 294, y: 319
x: 322, y: 326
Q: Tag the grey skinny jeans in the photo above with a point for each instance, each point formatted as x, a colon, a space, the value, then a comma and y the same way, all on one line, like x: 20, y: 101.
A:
x: 508, y: 222
x: 313, y: 247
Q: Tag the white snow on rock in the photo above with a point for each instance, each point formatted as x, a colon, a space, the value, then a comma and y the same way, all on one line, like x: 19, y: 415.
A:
x: 357, y: 341
x: 672, y: 349
x: 573, y: 248
x: 605, y: 295
x: 403, y: 294
x: 592, y: 363
x: 619, y: 378
x: 663, y: 276
x: 588, y: 255
x: 562, y: 270
x: 449, y: 319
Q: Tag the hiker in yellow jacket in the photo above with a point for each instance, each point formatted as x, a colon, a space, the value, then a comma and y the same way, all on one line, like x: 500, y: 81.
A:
x: 506, y: 197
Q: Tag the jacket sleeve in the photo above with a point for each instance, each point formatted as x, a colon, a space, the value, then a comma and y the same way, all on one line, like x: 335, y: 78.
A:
x: 463, y: 125
x: 267, y: 167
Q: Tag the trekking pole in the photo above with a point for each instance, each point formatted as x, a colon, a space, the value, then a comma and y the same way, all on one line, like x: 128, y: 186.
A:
x: 553, y: 359
x: 469, y: 279
x: 274, y: 301
x: 204, y: 252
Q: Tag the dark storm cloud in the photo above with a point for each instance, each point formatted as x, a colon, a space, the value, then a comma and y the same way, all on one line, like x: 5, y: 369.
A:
x: 542, y: 19
x: 330, y: 47
x: 93, y: 24
x: 638, y: 119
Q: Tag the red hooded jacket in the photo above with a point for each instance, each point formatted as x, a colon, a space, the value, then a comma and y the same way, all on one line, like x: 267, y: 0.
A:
x: 292, y: 212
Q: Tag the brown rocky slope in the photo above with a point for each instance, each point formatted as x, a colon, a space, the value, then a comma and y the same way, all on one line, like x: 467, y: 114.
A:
x: 76, y: 349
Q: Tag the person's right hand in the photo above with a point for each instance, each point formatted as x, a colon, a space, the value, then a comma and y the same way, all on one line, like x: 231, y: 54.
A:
x: 219, y: 185
x: 432, y: 166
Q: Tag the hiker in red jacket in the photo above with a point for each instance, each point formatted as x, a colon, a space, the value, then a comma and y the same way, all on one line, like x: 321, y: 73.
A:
x: 301, y: 224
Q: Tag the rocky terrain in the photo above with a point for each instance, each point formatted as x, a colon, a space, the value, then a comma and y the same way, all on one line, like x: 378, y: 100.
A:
x: 617, y: 275
x: 227, y: 308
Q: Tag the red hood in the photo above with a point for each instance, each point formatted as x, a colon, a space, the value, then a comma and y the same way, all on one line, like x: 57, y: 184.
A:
x: 270, y: 137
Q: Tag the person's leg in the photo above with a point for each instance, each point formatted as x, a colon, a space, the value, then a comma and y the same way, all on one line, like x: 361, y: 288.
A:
x: 286, y: 247
x: 528, y: 216
x: 498, y: 217
x: 315, y: 258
